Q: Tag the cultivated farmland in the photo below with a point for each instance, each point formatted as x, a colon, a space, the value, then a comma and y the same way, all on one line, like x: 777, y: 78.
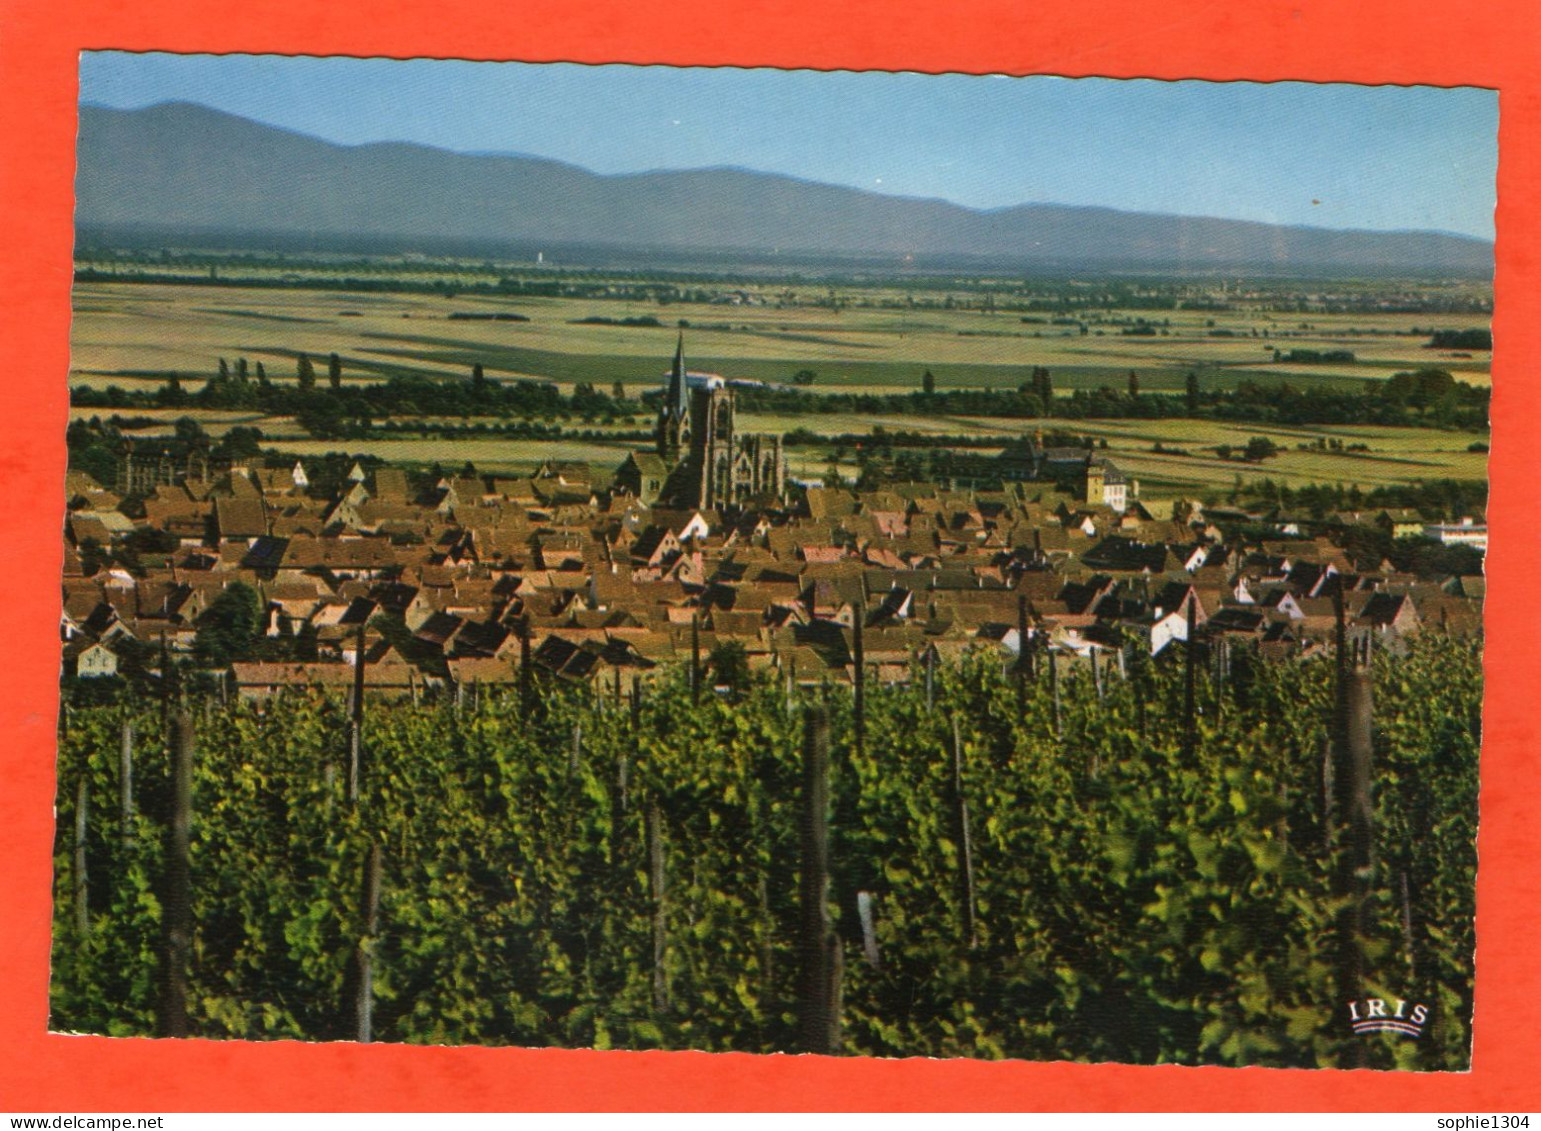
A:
x: 877, y: 336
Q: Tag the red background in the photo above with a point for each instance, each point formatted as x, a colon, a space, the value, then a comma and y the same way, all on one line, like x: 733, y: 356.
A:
x: 1494, y: 44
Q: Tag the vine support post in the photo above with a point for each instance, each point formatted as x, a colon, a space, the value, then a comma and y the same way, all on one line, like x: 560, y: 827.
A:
x: 965, y: 837
x: 658, y: 885
x: 930, y: 677
x: 695, y: 658
x: 860, y: 660
x: 1022, y: 661
x: 126, y: 780
x: 177, y: 919
x: 526, y: 691
x: 866, y: 915
x: 82, y: 876
x: 1340, y: 662
x: 356, y: 726
x: 819, y: 965
x: 165, y: 697
x: 1407, y: 928
x: 1333, y: 754
x: 1054, y: 692
x: 1222, y: 660
x: 766, y: 931
x: 364, y: 1002
x: 622, y: 784
x: 1190, y: 659
x: 1329, y: 791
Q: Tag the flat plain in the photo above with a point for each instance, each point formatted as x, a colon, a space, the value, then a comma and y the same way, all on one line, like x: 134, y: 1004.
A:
x: 865, y: 337
x: 127, y: 332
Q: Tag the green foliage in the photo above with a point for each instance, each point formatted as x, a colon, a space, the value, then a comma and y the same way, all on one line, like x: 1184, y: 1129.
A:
x: 189, y: 431
x: 1319, y: 357
x: 1131, y: 904
x: 1462, y: 340
x: 240, y: 442
x: 229, y: 629
x: 1420, y: 388
x: 1259, y: 448
x: 405, y: 393
x: 730, y: 666
x: 1433, y: 560
x: 94, y: 450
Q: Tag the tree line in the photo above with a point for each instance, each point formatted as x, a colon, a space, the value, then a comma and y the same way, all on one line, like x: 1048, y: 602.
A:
x: 1424, y: 397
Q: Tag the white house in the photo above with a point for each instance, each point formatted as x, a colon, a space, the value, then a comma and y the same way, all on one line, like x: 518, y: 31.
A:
x: 96, y: 661
x: 1467, y: 532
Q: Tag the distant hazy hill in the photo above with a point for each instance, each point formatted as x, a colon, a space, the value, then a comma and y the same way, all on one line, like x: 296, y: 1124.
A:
x: 185, y: 167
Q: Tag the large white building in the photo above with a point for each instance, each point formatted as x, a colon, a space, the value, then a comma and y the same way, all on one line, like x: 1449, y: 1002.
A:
x: 1467, y: 532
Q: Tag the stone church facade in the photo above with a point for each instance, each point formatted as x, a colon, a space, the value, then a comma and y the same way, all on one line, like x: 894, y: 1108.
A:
x: 142, y: 467
x: 710, y: 464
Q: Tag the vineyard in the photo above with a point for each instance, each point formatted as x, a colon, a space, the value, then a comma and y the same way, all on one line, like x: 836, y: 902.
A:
x: 1165, y: 861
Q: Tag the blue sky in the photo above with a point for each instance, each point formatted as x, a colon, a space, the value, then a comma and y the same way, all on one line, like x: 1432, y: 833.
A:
x: 1334, y: 156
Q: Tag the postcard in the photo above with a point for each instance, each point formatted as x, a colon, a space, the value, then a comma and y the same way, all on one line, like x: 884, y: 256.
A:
x: 950, y: 572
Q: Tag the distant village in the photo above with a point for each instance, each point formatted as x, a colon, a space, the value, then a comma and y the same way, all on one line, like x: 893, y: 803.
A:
x: 700, y: 543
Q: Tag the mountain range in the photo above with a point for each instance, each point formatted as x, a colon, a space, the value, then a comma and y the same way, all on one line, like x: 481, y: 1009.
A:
x: 185, y: 168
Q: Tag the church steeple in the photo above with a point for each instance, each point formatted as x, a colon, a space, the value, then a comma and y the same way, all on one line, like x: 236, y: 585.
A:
x: 705, y: 461
x: 676, y: 397
x: 673, y: 427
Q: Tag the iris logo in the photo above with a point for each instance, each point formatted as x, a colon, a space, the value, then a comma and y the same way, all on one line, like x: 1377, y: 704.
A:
x: 1377, y: 1015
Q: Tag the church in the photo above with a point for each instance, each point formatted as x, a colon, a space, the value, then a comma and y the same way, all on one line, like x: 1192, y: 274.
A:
x: 699, y: 459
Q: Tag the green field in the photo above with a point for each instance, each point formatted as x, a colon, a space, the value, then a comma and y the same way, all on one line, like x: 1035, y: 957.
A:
x: 123, y: 333
x: 1396, y: 455
x: 879, y: 338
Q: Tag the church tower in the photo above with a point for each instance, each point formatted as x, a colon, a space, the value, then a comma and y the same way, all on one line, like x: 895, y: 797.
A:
x: 712, y: 444
x: 1096, y: 482
x: 673, y: 427
x: 701, y: 458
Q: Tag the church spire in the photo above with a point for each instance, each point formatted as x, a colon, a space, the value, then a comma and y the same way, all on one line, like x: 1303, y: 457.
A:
x: 675, y: 398
x: 673, y: 427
